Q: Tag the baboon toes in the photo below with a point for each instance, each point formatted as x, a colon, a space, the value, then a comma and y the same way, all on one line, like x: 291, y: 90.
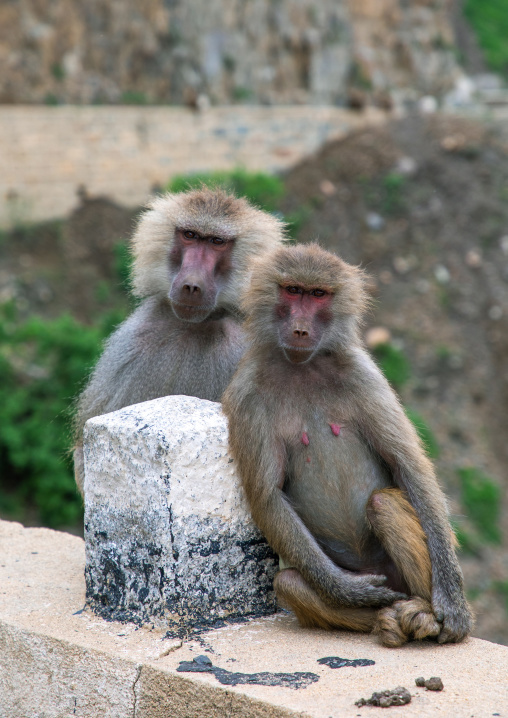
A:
x: 406, y: 620
x: 388, y: 629
x: 417, y: 619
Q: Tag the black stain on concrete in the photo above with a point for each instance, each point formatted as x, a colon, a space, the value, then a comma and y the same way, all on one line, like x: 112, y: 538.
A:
x: 336, y: 662
x: 202, y: 664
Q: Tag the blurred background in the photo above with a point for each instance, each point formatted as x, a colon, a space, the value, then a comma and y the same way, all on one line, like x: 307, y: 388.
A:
x: 379, y: 127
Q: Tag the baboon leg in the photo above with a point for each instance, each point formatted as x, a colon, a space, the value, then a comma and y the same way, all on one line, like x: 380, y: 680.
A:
x: 293, y: 592
x: 396, y: 524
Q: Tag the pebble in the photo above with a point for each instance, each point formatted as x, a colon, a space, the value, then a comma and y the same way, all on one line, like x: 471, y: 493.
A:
x: 442, y: 274
x: 495, y: 312
x: 376, y: 336
x: 406, y: 166
x: 327, y: 188
x: 474, y: 259
x: 374, y: 221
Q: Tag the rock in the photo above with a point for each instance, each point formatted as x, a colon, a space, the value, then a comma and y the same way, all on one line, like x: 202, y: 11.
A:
x: 169, y: 539
x: 495, y: 312
x: 327, y: 188
x: 374, y: 221
x: 427, y: 104
x: 442, y: 274
x: 474, y: 259
x: 503, y: 243
x: 406, y: 166
x: 376, y: 336
x: 403, y: 265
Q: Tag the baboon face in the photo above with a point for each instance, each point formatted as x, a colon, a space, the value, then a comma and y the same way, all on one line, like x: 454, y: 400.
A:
x: 199, y: 266
x: 303, y: 314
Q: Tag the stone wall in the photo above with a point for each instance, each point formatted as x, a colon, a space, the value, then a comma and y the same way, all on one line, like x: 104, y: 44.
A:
x: 261, y: 51
x: 48, y: 153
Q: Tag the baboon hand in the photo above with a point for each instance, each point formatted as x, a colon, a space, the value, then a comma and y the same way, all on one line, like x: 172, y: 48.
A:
x: 455, y: 617
x: 369, y: 590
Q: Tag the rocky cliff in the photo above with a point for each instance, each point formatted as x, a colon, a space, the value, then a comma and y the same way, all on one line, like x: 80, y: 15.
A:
x: 258, y: 51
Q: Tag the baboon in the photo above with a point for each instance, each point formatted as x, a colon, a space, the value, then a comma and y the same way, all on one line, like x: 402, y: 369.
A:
x: 191, y: 255
x: 333, y: 470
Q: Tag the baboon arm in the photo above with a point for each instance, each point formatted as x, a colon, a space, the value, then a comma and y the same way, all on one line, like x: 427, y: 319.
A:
x: 386, y: 427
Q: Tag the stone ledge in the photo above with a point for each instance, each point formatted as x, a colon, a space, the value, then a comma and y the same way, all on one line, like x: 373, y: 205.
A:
x: 58, y: 661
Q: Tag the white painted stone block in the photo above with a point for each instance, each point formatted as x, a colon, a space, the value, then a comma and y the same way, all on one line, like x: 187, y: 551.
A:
x: 169, y: 538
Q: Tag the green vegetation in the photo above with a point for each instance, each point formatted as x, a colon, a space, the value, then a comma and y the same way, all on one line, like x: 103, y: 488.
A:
x: 467, y: 543
x: 133, y: 97
x: 58, y: 72
x: 482, y: 499
x: 242, y: 94
x: 43, y: 364
x: 263, y: 190
x: 427, y: 437
x: 501, y: 588
x: 395, y: 366
x: 393, y: 363
x: 489, y: 19
x: 387, y: 196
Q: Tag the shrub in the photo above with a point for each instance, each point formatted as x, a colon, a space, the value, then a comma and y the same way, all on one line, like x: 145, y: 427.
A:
x: 425, y: 433
x: 43, y: 364
x: 393, y: 364
x: 482, y: 498
x: 489, y: 19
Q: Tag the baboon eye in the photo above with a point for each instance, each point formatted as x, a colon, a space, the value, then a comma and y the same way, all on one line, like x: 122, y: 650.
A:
x: 217, y: 240
x: 293, y: 290
x: 189, y: 235
x: 318, y: 292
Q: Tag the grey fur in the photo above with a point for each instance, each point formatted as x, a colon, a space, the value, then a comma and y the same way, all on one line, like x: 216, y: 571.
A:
x: 154, y: 353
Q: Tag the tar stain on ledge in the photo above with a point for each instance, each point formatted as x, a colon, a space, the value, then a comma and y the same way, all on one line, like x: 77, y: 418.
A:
x: 336, y: 662
x: 202, y: 664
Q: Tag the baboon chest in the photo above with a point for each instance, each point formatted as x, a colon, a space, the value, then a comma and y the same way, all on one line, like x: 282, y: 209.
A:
x: 331, y: 473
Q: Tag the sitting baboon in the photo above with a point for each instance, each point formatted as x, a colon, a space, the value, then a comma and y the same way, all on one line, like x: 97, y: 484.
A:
x: 191, y: 256
x: 334, y: 472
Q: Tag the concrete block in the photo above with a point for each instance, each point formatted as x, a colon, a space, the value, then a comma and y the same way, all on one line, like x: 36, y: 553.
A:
x: 169, y: 539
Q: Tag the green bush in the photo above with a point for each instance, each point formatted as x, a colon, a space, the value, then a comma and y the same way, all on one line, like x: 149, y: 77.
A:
x: 489, y: 19
x: 43, y: 365
x: 482, y: 499
x: 424, y: 432
x: 263, y: 190
x: 393, y: 364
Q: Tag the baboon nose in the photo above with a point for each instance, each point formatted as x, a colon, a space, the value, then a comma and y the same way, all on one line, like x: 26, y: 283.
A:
x: 191, y: 289
x: 300, y: 333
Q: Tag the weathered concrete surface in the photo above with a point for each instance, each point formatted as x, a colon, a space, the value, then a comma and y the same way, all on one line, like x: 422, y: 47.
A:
x: 167, y: 531
x: 58, y: 662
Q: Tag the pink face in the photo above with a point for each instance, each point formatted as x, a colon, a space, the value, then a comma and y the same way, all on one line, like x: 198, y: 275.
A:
x: 201, y: 265
x: 303, y: 314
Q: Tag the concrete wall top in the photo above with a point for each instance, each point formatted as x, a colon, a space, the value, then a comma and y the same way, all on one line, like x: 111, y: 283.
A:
x: 58, y: 661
